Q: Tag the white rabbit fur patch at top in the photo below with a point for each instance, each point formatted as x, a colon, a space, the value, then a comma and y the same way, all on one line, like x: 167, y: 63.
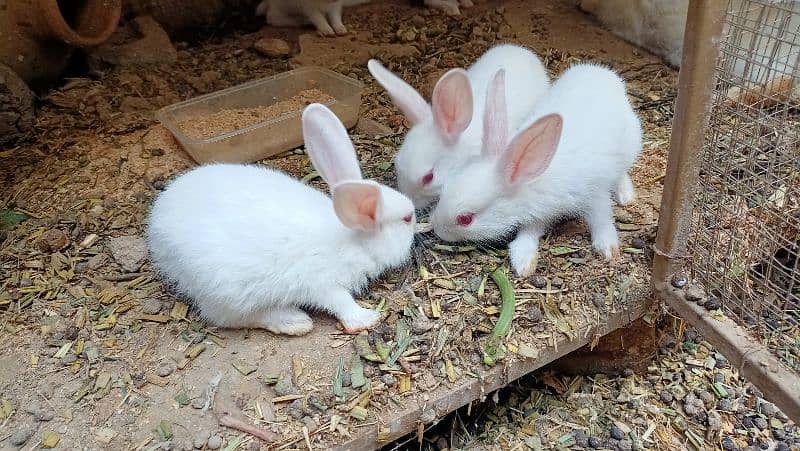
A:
x: 250, y: 246
x: 566, y: 160
x: 768, y: 62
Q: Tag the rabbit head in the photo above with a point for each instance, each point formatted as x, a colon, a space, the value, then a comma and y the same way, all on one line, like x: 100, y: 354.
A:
x: 423, y: 161
x: 480, y: 203
x: 362, y: 205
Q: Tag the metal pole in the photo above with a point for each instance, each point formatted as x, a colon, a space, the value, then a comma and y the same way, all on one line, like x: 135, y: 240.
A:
x: 695, y: 87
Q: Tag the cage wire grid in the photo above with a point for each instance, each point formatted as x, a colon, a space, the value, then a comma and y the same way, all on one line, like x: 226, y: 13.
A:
x: 744, y: 246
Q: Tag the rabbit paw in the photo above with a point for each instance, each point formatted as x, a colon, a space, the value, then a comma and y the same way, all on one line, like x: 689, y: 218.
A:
x: 289, y: 321
x: 450, y: 7
x: 340, y: 30
x: 609, y: 250
x: 326, y: 32
x: 625, y: 193
x: 524, y: 255
x: 359, y: 320
x: 466, y: 3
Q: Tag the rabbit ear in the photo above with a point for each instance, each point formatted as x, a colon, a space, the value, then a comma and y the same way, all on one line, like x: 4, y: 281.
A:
x: 452, y: 103
x: 495, y: 116
x: 329, y: 146
x: 532, y: 150
x: 410, y: 102
x: 357, y: 204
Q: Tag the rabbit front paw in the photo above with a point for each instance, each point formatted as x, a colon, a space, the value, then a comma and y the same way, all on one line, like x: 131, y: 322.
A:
x: 287, y: 321
x: 607, y: 248
x: 625, y: 193
x: 358, y: 320
x: 523, y: 253
x: 450, y: 7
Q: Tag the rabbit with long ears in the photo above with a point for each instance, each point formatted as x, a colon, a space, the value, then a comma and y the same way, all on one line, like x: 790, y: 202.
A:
x: 325, y: 15
x: 251, y: 246
x: 450, y: 7
x: 443, y: 134
x: 567, y: 159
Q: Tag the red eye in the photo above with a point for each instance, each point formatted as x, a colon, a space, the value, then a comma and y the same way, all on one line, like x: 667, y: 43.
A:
x: 427, y: 178
x: 407, y: 218
x: 465, y: 219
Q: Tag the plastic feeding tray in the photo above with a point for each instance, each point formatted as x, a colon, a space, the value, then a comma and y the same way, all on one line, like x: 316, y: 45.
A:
x: 260, y: 118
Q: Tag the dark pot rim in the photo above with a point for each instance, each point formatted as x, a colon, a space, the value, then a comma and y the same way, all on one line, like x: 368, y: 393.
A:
x: 88, y: 33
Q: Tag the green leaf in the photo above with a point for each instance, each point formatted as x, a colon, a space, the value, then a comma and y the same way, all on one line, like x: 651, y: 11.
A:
x: 494, y: 350
x: 357, y: 378
x: 338, y: 377
x: 182, y: 399
x: 234, y: 444
x: 50, y: 439
x: 10, y: 218
x: 164, y: 430
x: 562, y: 250
x: 5, y: 408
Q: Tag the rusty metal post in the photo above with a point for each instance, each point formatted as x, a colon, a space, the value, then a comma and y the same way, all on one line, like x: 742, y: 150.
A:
x: 695, y: 87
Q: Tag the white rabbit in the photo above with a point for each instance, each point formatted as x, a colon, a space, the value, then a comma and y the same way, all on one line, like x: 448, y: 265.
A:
x: 444, y: 134
x: 655, y: 25
x: 770, y: 65
x: 450, y: 7
x: 574, y: 150
x: 250, y: 246
x: 295, y: 13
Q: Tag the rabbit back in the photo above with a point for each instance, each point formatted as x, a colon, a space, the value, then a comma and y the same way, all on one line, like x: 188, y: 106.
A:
x: 239, y: 238
x: 601, y: 137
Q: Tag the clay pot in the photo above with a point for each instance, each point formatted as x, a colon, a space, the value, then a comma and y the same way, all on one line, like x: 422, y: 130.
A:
x: 16, y: 107
x: 37, y: 37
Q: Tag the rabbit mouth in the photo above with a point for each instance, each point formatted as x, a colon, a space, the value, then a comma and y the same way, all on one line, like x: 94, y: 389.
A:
x: 480, y: 239
x: 422, y: 199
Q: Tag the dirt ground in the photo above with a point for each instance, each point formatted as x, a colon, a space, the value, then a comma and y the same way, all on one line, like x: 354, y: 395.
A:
x: 95, y: 354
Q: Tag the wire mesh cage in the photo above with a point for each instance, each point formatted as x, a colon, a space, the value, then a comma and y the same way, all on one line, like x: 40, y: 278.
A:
x: 744, y: 245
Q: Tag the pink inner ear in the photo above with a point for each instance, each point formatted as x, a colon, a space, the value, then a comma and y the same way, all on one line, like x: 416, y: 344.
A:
x: 531, y: 152
x: 495, y: 116
x: 452, y: 104
x: 356, y: 204
x: 368, y: 207
x: 329, y: 145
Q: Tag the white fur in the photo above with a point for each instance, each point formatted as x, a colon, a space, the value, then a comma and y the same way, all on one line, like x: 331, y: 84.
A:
x: 250, y: 245
x: 658, y: 26
x: 449, y: 6
x: 425, y: 149
x: 325, y: 15
x: 599, y: 142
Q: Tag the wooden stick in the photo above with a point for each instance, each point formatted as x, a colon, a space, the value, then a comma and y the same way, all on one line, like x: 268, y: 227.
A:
x: 255, y: 431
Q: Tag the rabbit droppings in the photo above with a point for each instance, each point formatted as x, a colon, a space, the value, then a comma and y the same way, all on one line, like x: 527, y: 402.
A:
x: 250, y: 245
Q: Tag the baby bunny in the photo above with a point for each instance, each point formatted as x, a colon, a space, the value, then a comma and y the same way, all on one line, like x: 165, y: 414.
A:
x: 296, y: 13
x: 450, y: 7
x: 250, y: 246
x: 574, y: 150
x: 444, y: 134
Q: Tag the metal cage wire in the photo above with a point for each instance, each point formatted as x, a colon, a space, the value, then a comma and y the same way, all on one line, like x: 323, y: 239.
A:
x: 745, y: 238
